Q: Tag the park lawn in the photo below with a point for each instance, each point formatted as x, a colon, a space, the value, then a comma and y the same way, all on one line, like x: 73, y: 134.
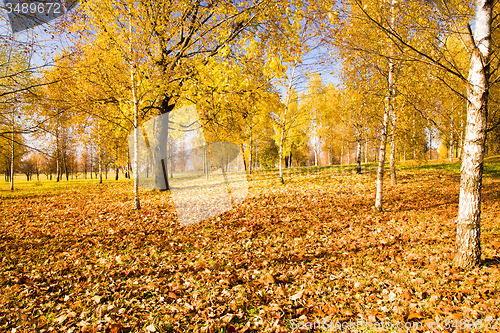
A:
x: 76, y: 257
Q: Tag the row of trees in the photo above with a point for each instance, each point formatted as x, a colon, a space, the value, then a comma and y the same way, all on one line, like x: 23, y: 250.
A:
x: 411, y: 73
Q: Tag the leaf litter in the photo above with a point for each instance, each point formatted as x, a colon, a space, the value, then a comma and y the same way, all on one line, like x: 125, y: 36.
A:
x: 309, y: 250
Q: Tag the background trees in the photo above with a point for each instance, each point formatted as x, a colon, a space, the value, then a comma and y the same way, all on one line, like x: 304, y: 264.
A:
x: 412, y: 76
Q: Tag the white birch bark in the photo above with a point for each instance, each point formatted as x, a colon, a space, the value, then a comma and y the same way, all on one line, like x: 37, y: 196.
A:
x: 135, y: 104
x: 136, y: 139
x: 392, y: 93
x: 99, y: 150
x: 283, y: 121
x: 388, y: 111
x: 12, y: 153
x: 358, y: 157
x: 57, y: 153
x: 451, y: 137
x: 461, y: 143
x: 250, y: 159
x: 342, y: 152
x: 468, y: 244
x: 413, y: 140
x: 381, y: 163
x: 393, y: 147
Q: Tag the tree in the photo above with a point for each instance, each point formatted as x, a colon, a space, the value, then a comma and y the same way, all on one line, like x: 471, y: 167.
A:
x: 158, y: 41
x: 298, y: 36
x: 428, y: 47
x: 468, y: 242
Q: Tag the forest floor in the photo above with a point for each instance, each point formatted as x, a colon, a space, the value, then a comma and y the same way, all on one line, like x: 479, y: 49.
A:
x: 75, y: 257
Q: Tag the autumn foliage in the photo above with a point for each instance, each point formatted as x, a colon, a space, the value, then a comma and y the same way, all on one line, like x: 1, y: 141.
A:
x: 77, y: 258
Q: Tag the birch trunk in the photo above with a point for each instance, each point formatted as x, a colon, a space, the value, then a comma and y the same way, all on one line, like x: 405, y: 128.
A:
x: 461, y: 143
x: 342, y: 152
x: 12, y: 154
x: 366, y: 150
x: 430, y: 143
x: 358, y: 157
x: 468, y: 241
x: 116, y: 163
x: 315, y: 155
x: 283, y: 122
x: 57, y: 154
x: 451, y: 139
x: 391, y: 93
x: 100, y: 168
x: 381, y: 163
x: 99, y: 151
x: 250, y: 158
x: 393, y: 148
x: 135, y: 103
x: 136, y: 138
x: 413, y: 140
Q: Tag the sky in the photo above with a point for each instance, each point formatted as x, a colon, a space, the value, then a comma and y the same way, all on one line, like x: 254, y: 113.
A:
x: 45, y: 45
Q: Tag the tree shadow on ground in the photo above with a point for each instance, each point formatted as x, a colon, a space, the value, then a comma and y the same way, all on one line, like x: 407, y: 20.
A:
x: 491, y: 262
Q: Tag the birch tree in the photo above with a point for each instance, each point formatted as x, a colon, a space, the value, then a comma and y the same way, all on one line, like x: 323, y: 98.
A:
x: 468, y: 242
x: 435, y: 20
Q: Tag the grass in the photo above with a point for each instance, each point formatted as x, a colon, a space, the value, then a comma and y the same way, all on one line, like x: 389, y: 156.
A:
x: 44, y: 186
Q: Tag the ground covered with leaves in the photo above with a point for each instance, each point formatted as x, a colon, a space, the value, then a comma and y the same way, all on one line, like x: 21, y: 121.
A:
x: 79, y: 259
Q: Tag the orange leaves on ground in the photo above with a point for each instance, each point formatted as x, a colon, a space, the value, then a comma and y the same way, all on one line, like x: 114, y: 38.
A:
x: 307, y: 250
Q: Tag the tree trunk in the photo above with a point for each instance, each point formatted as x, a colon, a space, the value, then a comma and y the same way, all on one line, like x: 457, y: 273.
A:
x: 243, y: 154
x: 461, y: 144
x: 283, y: 122
x: 137, y: 203
x: 393, y: 146
x: 358, y: 157
x: 315, y: 155
x: 250, y: 159
x: 468, y: 241
x: 381, y: 163
x: 135, y: 103
x: 430, y: 143
x: 348, y: 153
x: 451, y: 139
x: 116, y: 162
x: 65, y: 167
x: 12, y: 154
x: 172, y: 162
x: 342, y: 152
x: 57, y: 157
x: 366, y: 150
x: 413, y: 140
x: 91, y: 163
x: 392, y: 93
x: 100, y: 169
